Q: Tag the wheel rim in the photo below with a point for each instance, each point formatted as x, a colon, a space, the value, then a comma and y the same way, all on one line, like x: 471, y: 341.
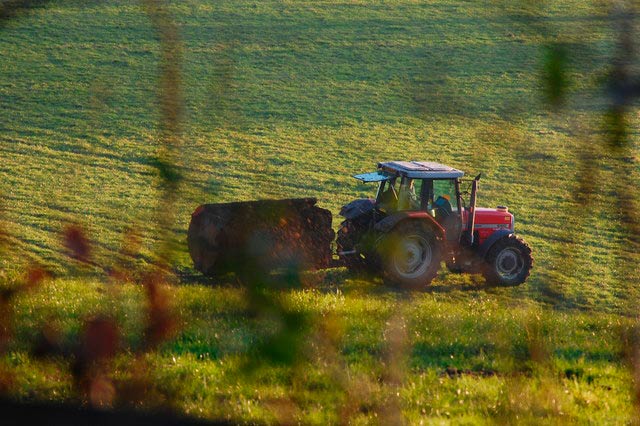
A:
x: 509, y: 263
x: 412, y: 256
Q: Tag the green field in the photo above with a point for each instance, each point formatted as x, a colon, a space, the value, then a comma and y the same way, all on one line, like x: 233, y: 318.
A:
x: 291, y: 98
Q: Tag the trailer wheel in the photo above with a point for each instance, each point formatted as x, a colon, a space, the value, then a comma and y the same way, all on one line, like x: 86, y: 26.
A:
x: 410, y: 255
x: 508, y: 262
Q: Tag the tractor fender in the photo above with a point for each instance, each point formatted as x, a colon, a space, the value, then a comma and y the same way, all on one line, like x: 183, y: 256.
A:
x: 493, y: 238
x: 390, y: 222
x: 357, y: 208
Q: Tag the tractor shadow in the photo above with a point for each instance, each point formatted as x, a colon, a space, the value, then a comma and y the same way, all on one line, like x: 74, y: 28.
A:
x: 448, y: 282
x: 332, y: 280
x: 349, y: 282
x: 195, y: 278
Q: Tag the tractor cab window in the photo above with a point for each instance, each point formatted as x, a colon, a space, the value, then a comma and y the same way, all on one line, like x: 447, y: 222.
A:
x: 387, y: 198
x: 446, y: 189
x: 443, y: 201
x: 418, y: 190
x: 410, y: 194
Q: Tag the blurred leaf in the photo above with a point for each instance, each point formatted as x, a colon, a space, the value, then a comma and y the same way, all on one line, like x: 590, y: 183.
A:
x: 76, y: 243
x: 555, y: 79
x: 48, y: 342
x: 615, y: 127
x: 283, y: 347
x: 99, y: 340
x: 169, y: 173
x: 35, y: 276
x: 161, y: 322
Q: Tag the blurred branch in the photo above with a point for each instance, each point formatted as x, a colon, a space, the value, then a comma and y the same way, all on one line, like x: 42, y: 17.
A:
x: 623, y: 86
x: 555, y: 76
x: 394, y: 365
x: 171, y: 109
x: 99, y: 340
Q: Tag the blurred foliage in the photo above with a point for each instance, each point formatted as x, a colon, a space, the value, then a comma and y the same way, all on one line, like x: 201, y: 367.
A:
x: 291, y: 346
x: 555, y: 74
x: 99, y: 341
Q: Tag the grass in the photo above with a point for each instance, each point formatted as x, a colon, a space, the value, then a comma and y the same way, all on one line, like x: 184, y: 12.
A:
x: 287, y: 99
x: 471, y: 356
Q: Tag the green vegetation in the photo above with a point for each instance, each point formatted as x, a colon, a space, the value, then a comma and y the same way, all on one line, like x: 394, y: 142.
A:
x: 469, y: 356
x: 286, y: 99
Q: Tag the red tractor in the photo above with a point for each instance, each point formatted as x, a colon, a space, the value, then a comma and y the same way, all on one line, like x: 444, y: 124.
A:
x: 419, y: 218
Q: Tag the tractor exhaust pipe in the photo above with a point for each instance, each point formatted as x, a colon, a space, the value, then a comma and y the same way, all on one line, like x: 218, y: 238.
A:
x: 471, y: 219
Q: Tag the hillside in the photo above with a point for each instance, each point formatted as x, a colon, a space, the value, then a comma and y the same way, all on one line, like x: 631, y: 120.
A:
x: 289, y: 99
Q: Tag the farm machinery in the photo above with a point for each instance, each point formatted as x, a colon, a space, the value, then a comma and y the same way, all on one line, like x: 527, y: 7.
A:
x: 417, y: 220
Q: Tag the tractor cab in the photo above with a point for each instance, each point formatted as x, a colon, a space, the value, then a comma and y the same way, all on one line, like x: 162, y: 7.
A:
x: 420, y: 186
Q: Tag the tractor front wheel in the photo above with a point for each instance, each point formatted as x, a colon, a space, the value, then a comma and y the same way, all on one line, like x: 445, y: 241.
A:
x: 508, y: 262
x: 411, y: 255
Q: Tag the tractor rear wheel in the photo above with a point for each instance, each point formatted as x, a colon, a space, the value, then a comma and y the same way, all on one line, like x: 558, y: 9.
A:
x: 508, y: 262
x: 410, y: 255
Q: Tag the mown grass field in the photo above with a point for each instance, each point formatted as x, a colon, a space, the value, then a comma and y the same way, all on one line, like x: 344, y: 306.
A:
x: 287, y: 99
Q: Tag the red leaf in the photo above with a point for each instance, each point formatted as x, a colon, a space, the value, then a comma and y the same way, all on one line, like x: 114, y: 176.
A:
x: 77, y: 243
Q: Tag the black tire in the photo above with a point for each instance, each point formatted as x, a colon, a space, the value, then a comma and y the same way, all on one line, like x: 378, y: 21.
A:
x: 410, y: 255
x: 347, y: 240
x: 508, y: 262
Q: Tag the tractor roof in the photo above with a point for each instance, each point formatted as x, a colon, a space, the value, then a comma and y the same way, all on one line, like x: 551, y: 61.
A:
x: 421, y: 169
